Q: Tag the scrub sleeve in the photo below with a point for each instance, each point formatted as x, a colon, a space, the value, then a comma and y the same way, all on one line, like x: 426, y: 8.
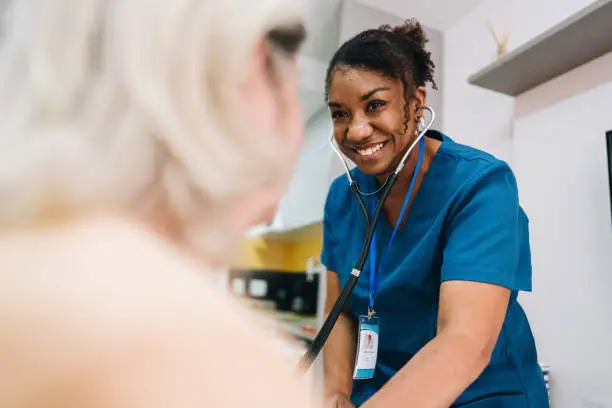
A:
x: 483, y: 236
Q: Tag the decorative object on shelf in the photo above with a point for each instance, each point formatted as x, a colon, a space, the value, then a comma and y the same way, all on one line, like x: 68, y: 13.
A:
x: 539, y: 60
x: 500, y: 40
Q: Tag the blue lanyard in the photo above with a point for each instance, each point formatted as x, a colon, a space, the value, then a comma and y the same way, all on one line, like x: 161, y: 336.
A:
x: 374, y: 272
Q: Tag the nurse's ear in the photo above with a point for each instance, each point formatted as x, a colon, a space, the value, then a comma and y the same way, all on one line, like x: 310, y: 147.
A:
x: 419, y: 100
x: 267, y: 99
x: 268, y: 89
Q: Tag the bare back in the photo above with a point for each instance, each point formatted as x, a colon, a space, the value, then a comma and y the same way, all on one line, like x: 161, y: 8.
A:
x: 104, y: 314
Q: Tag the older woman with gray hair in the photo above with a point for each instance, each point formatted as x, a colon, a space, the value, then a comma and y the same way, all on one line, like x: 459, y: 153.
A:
x: 139, y: 140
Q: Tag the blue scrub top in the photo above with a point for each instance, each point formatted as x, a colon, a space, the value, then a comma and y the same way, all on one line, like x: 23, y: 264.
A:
x: 465, y: 223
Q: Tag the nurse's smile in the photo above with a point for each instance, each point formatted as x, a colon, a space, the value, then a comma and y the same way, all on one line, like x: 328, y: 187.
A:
x: 369, y: 151
x: 370, y: 124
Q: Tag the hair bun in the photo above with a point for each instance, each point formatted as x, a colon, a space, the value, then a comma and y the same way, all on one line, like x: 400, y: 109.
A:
x: 411, y: 29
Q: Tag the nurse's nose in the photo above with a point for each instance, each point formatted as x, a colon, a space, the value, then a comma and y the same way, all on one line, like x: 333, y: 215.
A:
x: 359, y: 130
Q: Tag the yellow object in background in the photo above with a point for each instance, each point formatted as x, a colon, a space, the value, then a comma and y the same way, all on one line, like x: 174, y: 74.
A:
x: 284, y: 252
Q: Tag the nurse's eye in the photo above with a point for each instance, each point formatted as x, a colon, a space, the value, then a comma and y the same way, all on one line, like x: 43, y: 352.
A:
x: 374, y: 106
x: 338, y: 114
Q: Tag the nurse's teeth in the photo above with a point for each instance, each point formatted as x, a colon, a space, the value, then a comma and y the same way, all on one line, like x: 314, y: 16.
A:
x: 370, y: 150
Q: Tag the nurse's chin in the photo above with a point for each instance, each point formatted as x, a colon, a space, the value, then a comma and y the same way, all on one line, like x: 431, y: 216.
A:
x: 377, y: 169
x: 377, y: 164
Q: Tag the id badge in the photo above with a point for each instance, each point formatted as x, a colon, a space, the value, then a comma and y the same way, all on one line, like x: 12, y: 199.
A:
x: 367, y: 347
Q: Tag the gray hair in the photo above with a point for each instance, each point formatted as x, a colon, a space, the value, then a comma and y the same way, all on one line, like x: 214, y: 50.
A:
x: 110, y: 105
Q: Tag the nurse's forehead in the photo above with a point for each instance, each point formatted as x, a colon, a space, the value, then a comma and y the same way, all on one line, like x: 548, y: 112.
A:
x: 351, y: 83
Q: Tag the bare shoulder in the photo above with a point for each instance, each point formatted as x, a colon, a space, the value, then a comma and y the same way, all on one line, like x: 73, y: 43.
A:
x: 110, y: 266
x: 131, y: 320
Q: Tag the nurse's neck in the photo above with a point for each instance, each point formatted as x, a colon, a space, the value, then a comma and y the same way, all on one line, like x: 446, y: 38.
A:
x: 400, y: 189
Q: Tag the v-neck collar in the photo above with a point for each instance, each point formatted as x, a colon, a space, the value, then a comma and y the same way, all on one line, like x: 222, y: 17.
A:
x: 372, y: 185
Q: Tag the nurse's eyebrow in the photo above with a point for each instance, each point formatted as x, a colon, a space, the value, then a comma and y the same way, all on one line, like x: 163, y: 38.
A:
x: 364, y: 97
x: 372, y: 92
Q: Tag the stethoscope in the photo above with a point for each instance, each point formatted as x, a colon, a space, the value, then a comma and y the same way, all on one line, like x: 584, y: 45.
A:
x: 370, y: 223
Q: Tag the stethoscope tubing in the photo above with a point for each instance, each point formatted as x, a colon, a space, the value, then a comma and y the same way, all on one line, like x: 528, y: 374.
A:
x: 319, y: 341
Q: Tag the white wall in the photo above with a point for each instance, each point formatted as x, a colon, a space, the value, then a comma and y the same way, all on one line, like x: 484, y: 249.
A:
x: 322, y: 24
x: 553, y: 136
x: 439, y: 14
x: 480, y: 117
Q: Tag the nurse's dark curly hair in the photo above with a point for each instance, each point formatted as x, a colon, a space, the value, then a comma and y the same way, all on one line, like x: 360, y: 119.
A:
x: 396, y: 52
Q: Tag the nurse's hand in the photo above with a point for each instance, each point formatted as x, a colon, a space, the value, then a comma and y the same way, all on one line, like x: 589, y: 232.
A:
x: 338, y: 401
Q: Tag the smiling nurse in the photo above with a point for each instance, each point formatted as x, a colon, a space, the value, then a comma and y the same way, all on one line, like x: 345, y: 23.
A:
x: 451, y: 331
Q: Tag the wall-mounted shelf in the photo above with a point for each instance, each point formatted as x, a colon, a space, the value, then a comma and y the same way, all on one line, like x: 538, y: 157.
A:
x: 579, y: 39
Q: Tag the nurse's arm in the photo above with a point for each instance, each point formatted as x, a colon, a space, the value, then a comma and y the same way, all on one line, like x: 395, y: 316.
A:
x: 339, y: 350
x: 470, y: 318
